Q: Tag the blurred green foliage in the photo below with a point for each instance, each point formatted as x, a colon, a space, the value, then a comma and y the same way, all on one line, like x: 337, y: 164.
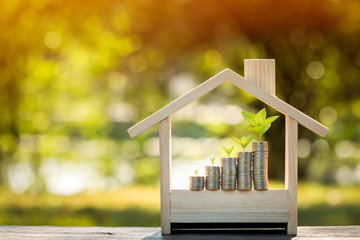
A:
x: 91, y: 209
x: 74, y: 76
x: 318, y: 205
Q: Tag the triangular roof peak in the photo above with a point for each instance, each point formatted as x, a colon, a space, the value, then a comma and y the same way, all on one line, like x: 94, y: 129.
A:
x: 242, y: 83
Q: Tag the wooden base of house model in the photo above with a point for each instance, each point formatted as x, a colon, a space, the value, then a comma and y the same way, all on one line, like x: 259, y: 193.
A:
x: 270, y: 206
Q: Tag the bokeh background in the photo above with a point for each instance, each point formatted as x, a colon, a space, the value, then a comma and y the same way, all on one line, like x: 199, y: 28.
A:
x: 75, y: 75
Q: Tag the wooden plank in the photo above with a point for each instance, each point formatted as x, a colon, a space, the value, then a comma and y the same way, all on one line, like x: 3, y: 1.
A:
x: 70, y: 233
x: 261, y: 72
x: 177, y: 104
x: 277, y: 103
x: 238, y: 81
x: 165, y: 173
x: 291, y: 171
x: 229, y: 206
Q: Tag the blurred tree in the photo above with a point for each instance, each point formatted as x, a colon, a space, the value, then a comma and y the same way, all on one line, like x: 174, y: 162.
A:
x: 75, y: 76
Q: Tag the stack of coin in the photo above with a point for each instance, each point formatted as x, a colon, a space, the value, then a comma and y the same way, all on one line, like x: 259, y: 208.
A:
x: 244, y: 178
x: 212, y: 175
x: 260, y: 165
x: 196, y: 183
x: 228, y: 173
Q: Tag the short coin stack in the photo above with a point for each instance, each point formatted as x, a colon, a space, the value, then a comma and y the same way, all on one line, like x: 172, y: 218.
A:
x: 260, y: 165
x: 212, y: 175
x: 244, y: 178
x: 228, y: 173
x: 196, y: 183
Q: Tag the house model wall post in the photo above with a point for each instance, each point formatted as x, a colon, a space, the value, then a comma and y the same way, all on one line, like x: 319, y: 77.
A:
x: 291, y: 171
x: 165, y: 173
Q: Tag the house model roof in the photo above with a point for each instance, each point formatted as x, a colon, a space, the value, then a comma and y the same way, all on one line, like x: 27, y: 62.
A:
x: 242, y: 83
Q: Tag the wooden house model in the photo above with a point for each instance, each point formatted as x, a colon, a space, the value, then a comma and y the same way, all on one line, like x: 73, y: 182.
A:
x: 231, y: 207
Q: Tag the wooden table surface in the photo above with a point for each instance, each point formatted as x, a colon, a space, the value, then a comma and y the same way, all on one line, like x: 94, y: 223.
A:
x: 52, y: 232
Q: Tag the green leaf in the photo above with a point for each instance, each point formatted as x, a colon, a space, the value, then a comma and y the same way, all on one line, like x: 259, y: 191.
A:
x: 247, y: 141
x: 260, y: 130
x: 261, y: 115
x: 238, y: 140
x: 225, y: 148
x: 270, y: 120
x: 212, y: 160
x: 250, y: 117
x: 244, y: 141
x: 256, y: 130
x: 228, y: 150
x: 257, y: 120
x: 265, y: 128
x: 232, y: 148
x: 196, y: 171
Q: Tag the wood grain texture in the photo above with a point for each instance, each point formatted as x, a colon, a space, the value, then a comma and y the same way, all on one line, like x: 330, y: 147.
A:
x: 154, y: 233
x: 238, y: 81
x: 291, y: 171
x: 229, y: 206
x: 262, y: 73
x: 165, y: 173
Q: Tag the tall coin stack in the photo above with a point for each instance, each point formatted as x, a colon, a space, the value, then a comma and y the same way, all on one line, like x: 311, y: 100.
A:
x: 212, y: 175
x: 228, y: 173
x: 260, y: 165
x: 196, y: 183
x: 244, y: 178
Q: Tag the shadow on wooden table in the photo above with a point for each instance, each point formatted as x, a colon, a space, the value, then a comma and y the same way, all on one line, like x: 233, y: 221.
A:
x: 220, y: 235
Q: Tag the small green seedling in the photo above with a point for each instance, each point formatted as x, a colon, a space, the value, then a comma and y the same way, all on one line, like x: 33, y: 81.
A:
x: 259, y: 121
x: 228, y: 150
x: 212, y: 160
x: 196, y: 171
x: 244, y: 142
